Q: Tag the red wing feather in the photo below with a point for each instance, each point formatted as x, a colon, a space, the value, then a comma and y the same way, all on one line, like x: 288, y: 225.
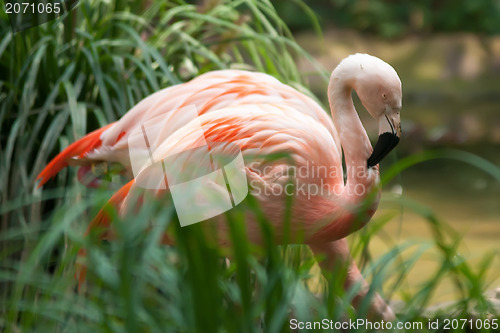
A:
x: 77, y: 149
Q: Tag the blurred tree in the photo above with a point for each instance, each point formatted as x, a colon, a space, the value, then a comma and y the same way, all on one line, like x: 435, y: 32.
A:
x: 396, y: 18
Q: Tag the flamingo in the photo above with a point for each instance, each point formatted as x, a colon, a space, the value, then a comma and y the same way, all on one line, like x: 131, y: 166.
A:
x: 260, y: 116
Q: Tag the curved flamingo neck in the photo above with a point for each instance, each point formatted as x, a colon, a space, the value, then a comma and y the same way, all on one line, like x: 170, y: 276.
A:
x: 352, y: 208
x: 353, y: 138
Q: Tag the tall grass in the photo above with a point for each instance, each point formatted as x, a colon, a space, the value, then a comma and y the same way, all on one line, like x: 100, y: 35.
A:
x: 67, y: 77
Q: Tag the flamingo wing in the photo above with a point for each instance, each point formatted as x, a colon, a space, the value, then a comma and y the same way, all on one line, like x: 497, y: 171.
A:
x: 256, y: 132
x: 207, y: 93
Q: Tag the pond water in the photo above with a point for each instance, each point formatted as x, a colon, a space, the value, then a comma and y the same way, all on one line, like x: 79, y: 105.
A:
x: 464, y: 198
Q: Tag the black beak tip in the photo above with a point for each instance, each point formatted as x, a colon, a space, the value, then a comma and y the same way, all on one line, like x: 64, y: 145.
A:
x: 386, y: 142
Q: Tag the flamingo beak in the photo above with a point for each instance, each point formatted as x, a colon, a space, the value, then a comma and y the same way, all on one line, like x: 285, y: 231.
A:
x: 389, y: 134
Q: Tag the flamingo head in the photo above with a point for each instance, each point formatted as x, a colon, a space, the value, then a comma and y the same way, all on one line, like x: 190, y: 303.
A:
x: 379, y: 89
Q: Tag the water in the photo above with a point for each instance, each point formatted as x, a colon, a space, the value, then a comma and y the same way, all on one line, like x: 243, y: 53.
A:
x: 461, y: 196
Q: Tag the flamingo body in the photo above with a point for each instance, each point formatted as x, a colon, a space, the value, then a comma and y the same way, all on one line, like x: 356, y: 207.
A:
x: 209, y: 92
x: 262, y: 130
x: 260, y: 116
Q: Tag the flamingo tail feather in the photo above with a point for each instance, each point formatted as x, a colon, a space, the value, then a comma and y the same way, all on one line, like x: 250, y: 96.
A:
x: 77, y: 149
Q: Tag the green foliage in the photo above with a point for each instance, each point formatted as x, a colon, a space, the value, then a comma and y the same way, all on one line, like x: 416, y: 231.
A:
x: 389, y: 18
x: 134, y: 283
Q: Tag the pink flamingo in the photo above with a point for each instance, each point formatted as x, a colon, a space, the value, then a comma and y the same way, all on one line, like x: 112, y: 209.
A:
x: 262, y: 116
